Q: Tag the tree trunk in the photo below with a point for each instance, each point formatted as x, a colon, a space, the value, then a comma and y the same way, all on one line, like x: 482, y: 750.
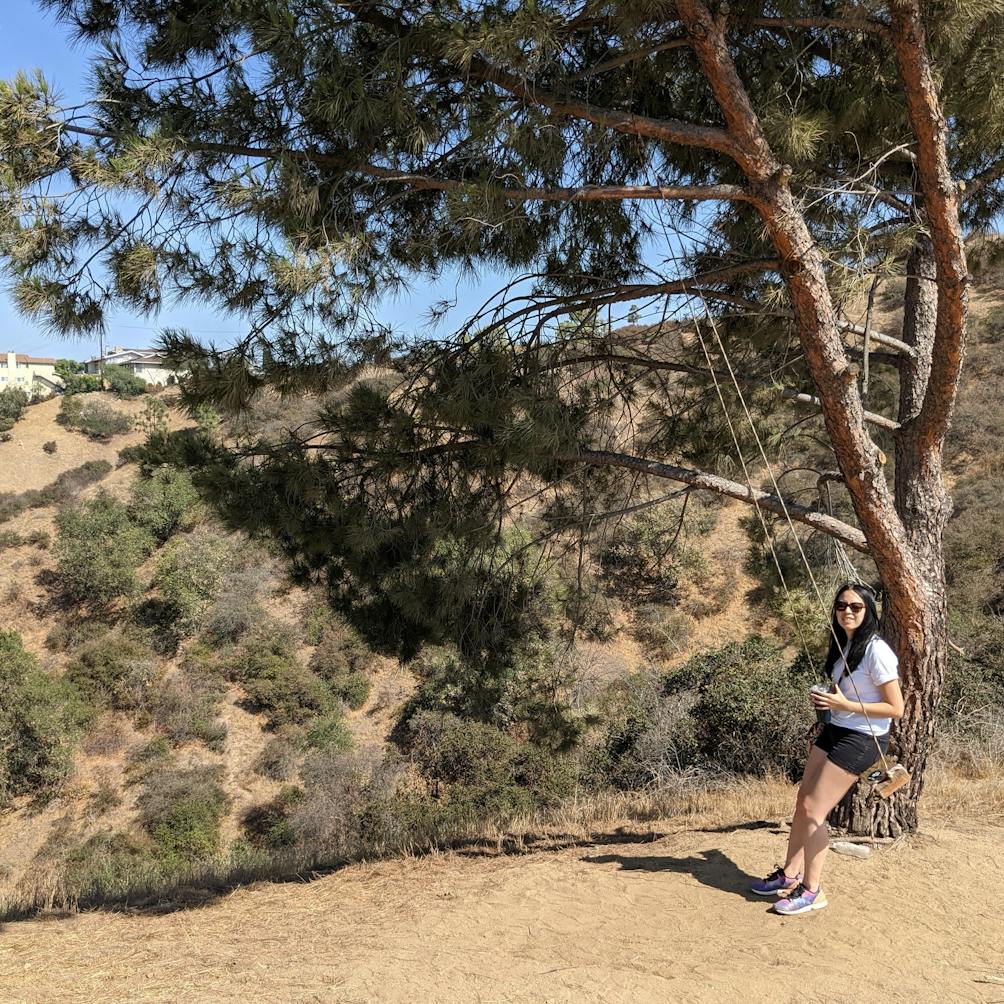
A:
x: 919, y: 632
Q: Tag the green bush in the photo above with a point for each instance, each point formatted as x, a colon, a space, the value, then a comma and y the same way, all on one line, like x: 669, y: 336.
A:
x: 123, y: 382
x: 190, y: 572
x: 81, y: 383
x: 662, y: 630
x: 340, y: 659
x: 68, y: 634
x: 13, y: 402
x: 268, y: 826
x: 165, y: 502
x: 280, y: 756
x: 753, y: 709
x: 49, y: 446
x: 153, y: 420
x: 276, y: 682
x: 739, y: 709
x: 98, y: 549
x: 484, y: 770
x: 106, y: 866
x: 329, y: 732
x: 646, y: 555
x: 94, y: 419
x: 40, y: 721
x: 9, y: 538
x: 114, y: 671
x: 182, y: 810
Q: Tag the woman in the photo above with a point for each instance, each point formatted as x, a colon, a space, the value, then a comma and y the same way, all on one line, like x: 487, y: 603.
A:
x: 866, y: 696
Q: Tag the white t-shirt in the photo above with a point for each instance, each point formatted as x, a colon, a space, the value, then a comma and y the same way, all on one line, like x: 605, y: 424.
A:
x: 877, y: 666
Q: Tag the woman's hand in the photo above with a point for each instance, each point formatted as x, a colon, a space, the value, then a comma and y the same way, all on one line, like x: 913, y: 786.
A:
x: 830, y: 702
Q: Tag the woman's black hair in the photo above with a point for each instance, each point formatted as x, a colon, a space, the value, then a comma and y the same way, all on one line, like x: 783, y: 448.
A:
x: 864, y: 634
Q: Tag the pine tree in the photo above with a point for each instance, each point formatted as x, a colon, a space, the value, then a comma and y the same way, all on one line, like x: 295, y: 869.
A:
x: 740, y: 170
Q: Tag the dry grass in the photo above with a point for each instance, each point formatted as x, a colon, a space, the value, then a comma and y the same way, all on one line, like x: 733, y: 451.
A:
x: 725, y: 805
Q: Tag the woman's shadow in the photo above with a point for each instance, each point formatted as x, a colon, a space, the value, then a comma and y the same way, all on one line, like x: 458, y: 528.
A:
x: 711, y: 868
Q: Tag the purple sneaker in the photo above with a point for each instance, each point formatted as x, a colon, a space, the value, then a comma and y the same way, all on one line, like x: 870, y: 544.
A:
x: 801, y: 901
x: 775, y: 882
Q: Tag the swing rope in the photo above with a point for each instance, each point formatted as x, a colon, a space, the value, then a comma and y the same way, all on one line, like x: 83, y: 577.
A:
x: 824, y: 606
x: 780, y: 497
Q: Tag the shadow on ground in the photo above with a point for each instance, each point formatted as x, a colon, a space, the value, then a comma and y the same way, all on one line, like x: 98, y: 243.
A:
x: 711, y: 868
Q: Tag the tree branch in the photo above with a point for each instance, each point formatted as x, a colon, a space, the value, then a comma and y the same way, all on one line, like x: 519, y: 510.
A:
x: 865, y: 24
x: 580, y: 193
x: 976, y: 184
x: 813, y: 518
x: 639, y: 291
x: 629, y: 56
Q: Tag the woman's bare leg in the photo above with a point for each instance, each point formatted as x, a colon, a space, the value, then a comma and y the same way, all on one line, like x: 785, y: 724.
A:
x: 794, y: 860
x: 831, y: 785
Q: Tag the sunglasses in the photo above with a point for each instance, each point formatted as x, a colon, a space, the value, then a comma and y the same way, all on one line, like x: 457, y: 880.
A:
x: 855, y: 608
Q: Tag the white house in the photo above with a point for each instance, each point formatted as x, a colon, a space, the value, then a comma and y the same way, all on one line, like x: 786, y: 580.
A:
x: 146, y: 363
x: 35, y: 376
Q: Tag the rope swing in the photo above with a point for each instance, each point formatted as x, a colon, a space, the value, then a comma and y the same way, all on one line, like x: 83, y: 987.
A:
x: 890, y: 777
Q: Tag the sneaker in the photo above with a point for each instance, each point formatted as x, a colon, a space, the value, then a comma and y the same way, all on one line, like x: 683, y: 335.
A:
x: 775, y: 882
x: 801, y: 901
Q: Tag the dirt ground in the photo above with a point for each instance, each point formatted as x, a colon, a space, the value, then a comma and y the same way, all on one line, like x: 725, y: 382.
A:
x: 630, y: 917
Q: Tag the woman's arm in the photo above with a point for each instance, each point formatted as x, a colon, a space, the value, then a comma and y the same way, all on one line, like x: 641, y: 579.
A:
x: 891, y: 705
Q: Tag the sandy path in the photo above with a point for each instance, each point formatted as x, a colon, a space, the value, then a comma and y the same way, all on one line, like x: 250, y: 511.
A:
x: 619, y: 921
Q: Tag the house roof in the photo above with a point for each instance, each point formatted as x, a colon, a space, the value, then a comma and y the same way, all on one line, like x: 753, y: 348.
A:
x: 151, y: 356
x: 22, y: 358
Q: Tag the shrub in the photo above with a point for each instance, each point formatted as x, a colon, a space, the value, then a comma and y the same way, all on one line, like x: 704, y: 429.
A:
x: 588, y: 611
x: 279, y: 758
x: 739, y: 709
x: 9, y: 538
x: 752, y: 710
x: 236, y: 610
x: 81, y: 383
x: 182, y: 810
x: 190, y: 571
x: 339, y: 659
x: 114, y: 671
x: 484, y: 770
x: 145, y: 758
x: 328, y: 733
x: 663, y: 631
x: 71, y: 633
x: 106, y: 866
x: 39, y: 539
x: 49, y: 446
x: 277, y: 684
x: 269, y: 825
x: 94, y: 419
x: 344, y: 794
x: 123, y: 382
x: 13, y: 401
x: 153, y: 419
x: 40, y: 720
x: 97, y: 551
x: 186, y: 709
x: 164, y: 502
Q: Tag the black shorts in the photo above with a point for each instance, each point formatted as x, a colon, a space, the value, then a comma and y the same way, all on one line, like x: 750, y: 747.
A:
x: 849, y: 749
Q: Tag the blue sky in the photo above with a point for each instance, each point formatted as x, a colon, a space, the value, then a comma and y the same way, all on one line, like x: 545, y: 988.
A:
x: 29, y: 40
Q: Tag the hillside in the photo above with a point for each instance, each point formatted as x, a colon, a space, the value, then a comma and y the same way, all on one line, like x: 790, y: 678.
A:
x: 259, y: 734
